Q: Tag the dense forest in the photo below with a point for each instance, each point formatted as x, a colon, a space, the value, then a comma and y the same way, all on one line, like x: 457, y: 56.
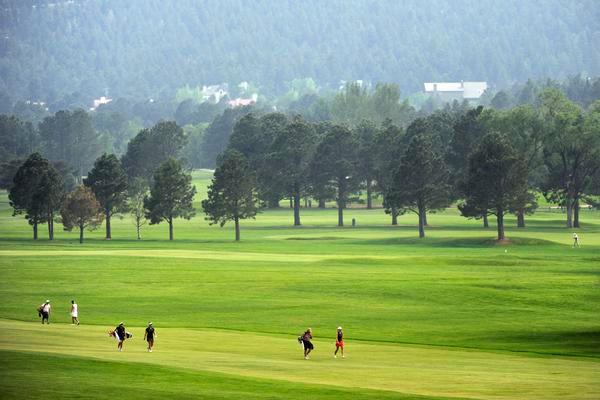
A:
x: 55, y: 50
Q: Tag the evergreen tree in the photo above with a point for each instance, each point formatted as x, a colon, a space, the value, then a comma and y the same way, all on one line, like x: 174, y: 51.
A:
x: 420, y: 183
x: 571, y: 152
x: 232, y: 193
x: 171, y: 195
x: 36, y: 192
x: 389, y: 148
x: 289, y: 159
x: 496, y: 176
x: 365, y: 132
x: 109, y: 183
x: 150, y: 147
x: 336, y: 163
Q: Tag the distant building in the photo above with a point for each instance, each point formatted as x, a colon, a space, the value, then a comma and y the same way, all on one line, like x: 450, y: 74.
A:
x: 240, y: 102
x: 99, y: 102
x: 214, y: 93
x: 462, y: 90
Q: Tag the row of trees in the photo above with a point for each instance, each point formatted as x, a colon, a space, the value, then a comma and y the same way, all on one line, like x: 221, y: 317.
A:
x: 38, y: 192
x: 491, y: 162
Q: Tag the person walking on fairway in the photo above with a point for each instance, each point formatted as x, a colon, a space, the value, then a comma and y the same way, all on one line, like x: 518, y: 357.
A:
x: 149, y: 336
x: 306, y: 342
x: 120, y: 335
x: 44, y: 311
x: 74, y: 313
x: 339, y: 342
x: 575, y: 240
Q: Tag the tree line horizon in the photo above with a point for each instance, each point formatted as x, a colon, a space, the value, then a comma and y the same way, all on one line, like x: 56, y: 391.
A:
x: 489, y: 162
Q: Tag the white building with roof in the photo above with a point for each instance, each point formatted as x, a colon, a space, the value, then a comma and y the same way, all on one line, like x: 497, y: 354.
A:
x: 456, y: 90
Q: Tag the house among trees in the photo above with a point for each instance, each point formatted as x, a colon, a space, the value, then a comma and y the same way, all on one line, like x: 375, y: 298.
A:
x: 214, y: 93
x: 240, y: 102
x: 449, y: 91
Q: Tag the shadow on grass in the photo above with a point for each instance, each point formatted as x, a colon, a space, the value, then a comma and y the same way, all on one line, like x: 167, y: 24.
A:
x: 586, y: 343
x: 479, y: 242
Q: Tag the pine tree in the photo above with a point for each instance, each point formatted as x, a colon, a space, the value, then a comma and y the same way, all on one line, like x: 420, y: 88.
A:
x: 171, y: 195
x: 232, y: 193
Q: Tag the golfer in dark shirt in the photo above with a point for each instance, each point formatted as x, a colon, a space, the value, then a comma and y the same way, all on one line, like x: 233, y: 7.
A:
x: 120, y: 334
x: 306, y: 342
x: 149, y: 336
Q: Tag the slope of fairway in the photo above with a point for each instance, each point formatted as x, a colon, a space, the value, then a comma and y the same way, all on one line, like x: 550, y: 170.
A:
x: 405, y: 369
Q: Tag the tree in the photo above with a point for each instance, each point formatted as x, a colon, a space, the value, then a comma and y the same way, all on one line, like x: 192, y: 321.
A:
x: 571, y: 152
x: 496, y: 176
x: 421, y: 181
x: 335, y: 162
x: 365, y: 132
x: 17, y: 138
x: 468, y: 131
x: 70, y: 136
x: 109, y: 183
x: 150, y: 147
x: 137, y: 192
x: 389, y: 145
x: 289, y: 158
x: 36, y: 191
x: 216, y: 137
x: 524, y: 127
x: 253, y: 136
x: 8, y: 170
x: 171, y: 195
x: 81, y: 209
x: 232, y: 193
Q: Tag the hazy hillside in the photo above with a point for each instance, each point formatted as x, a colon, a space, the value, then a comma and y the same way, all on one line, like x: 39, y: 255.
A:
x: 145, y: 47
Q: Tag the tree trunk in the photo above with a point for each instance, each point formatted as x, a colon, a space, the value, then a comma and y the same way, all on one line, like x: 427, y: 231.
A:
x: 297, y: 208
x: 321, y: 203
x: 51, y: 226
x: 291, y: 202
x: 500, y: 219
x: 520, y: 219
x: 170, y: 228
x: 394, y: 216
x: 237, y: 229
x: 569, y: 205
x: 35, y: 230
x: 421, y: 222
x: 369, y: 194
x: 576, y: 213
x: 486, y: 223
x: 81, y: 233
x: 137, y: 227
x: 341, y: 201
x: 107, y: 213
x: 425, y: 218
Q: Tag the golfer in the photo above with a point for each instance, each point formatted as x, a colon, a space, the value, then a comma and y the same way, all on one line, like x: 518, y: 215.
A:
x: 149, y: 336
x: 339, y: 342
x: 575, y: 240
x: 120, y: 335
x: 74, y: 313
x: 306, y: 343
x: 44, y: 311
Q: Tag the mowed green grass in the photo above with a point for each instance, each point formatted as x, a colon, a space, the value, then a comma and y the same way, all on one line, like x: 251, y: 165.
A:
x: 451, y: 316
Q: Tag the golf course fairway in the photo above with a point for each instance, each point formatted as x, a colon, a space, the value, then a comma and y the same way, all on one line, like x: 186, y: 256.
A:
x: 454, y: 315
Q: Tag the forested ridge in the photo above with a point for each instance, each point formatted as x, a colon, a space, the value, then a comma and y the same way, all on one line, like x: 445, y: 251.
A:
x: 152, y: 47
